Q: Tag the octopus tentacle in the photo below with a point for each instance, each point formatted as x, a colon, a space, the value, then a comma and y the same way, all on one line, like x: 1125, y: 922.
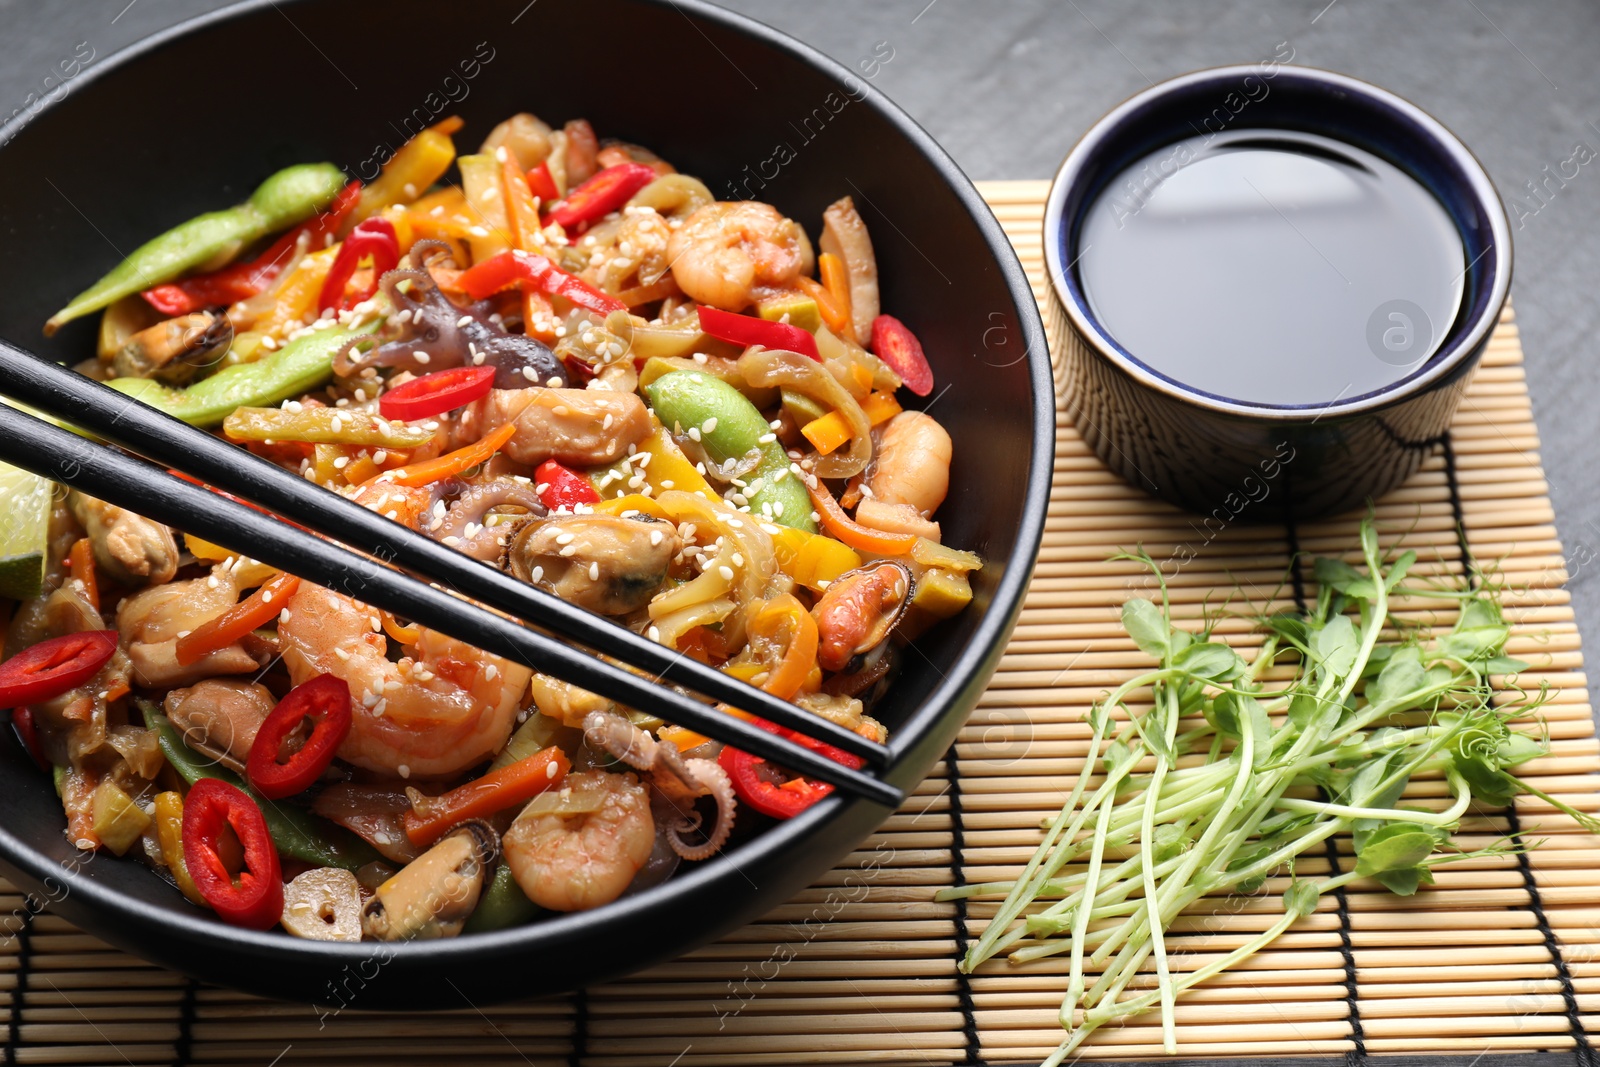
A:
x: 716, y: 783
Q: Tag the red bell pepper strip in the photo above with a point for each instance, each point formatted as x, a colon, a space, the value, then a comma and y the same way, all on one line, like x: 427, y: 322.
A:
x: 524, y: 268
x: 52, y: 667
x: 325, y: 699
x: 748, y: 330
x: 256, y: 899
x: 241, y: 281
x: 760, y: 785
x: 373, y: 237
x: 28, y: 734
x: 562, y: 487
x: 436, y: 393
x: 899, y: 347
x: 601, y: 195
x: 543, y: 184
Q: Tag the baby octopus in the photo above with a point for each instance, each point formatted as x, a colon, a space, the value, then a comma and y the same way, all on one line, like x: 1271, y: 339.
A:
x: 676, y: 780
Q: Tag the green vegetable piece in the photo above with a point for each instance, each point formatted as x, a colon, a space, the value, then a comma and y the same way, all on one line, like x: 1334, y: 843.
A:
x: 539, y: 732
x: 729, y: 427
x: 801, y: 408
x: 297, y: 368
x: 297, y: 833
x: 801, y: 309
x: 290, y: 196
x: 502, y: 905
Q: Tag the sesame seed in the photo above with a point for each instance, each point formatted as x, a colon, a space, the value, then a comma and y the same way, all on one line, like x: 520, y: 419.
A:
x: 655, y: 634
x: 405, y: 771
x: 594, y: 572
x: 465, y: 320
x: 766, y: 439
x: 655, y: 537
x: 709, y: 426
x: 726, y: 572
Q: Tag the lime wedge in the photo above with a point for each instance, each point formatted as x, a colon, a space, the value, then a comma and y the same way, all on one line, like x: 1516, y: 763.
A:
x: 24, y: 527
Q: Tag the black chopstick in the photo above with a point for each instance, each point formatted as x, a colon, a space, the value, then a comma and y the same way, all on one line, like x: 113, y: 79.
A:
x: 62, y: 456
x: 111, y: 415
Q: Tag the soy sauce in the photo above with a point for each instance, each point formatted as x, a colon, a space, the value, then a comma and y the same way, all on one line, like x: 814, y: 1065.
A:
x: 1272, y: 267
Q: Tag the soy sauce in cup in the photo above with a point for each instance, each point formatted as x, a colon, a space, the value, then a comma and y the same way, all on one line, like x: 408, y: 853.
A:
x: 1272, y: 266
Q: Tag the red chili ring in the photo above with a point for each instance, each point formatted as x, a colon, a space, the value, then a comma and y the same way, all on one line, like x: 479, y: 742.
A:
x: 52, y: 667
x: 436, y: 393
x: 326, y: 699
x: 256, y: 899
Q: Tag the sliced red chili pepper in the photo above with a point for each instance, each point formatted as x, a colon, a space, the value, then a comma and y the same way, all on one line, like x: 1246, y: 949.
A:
x: 748, y: 330
x: 241, y: 281
x: 255, y: 900
x: 760, y: 785
x: 500, y: 271
x: 52, y: 667
x: 28, y: 734
x: 436, y: 393
x: 325, y: 700
x: 601, y: 195
x: 562, y: 487
x: 373, y: 237
x: 899, y: 347
x: 543, y: 184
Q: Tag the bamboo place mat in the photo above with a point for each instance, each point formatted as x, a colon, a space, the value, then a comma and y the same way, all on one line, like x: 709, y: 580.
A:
x: 1498, y: 957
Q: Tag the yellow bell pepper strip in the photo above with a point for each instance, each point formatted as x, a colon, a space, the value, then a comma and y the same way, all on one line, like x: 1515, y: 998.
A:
x: 169, y: 832
x: 295, y: 301
x: 813, y: 560
x: 852, y: 533
x: 323, y: 426
x: 496, y: 791
x: 827, y: 433
x: 729, y: 426
x: 289, y: 196
x: 669, y: 468
x: 880, y: 407
x: 480, y: 180
x: 461, y: 459
x: 621, y: 505
x: 419, y: 163
x: 118, y: 821
x: 302, y: 365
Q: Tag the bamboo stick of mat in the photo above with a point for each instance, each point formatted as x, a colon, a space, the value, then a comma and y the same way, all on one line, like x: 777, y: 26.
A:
x: 860, y: 968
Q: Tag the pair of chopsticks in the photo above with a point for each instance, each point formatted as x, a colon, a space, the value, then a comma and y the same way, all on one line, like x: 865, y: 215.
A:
x: 147, y: 489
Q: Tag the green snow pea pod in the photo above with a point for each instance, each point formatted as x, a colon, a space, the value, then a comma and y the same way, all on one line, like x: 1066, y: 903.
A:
x: 728, y: 425
x: 502, y: 905
x: 292, y: 195
x: 296, y: 832
x: 296, y: 368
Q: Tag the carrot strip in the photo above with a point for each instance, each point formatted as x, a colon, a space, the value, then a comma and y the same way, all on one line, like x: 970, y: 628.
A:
x: 495, y: 791
x: 828, y: 432
x: 836, y: 318
x: 452, y: 462
x: 255, y: 610
x: 836, y: 277
x: 81, y: 563
x: 861, y: 538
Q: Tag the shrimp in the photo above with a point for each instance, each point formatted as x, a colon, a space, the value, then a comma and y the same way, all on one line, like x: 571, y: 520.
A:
x: 442, y: 708
x: 726, y: 251
x: 151, y: 621
x: 586, y: 855
x: 676, y: 781
x: 910, y: 476
x: 582, y: 427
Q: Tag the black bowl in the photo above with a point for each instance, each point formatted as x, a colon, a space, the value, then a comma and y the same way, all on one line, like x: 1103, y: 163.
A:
x: 192, y: 119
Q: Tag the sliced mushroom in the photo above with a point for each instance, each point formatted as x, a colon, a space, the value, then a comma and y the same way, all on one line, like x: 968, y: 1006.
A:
x: 220, y: 717
x: 845, y: 235
x: 434, y: 895
x: 176, y: 350
x: 859, y: 610
x: 604, y: 563
x: 323, y: 904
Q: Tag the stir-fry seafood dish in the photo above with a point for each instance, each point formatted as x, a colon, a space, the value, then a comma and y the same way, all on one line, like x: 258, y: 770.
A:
x: 565, y: 359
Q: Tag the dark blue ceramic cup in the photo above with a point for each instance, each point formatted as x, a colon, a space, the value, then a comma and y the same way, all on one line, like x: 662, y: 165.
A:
x: 1251, y: 462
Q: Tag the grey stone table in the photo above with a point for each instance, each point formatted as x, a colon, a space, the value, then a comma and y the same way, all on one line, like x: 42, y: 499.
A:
x: 1008, y: 85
